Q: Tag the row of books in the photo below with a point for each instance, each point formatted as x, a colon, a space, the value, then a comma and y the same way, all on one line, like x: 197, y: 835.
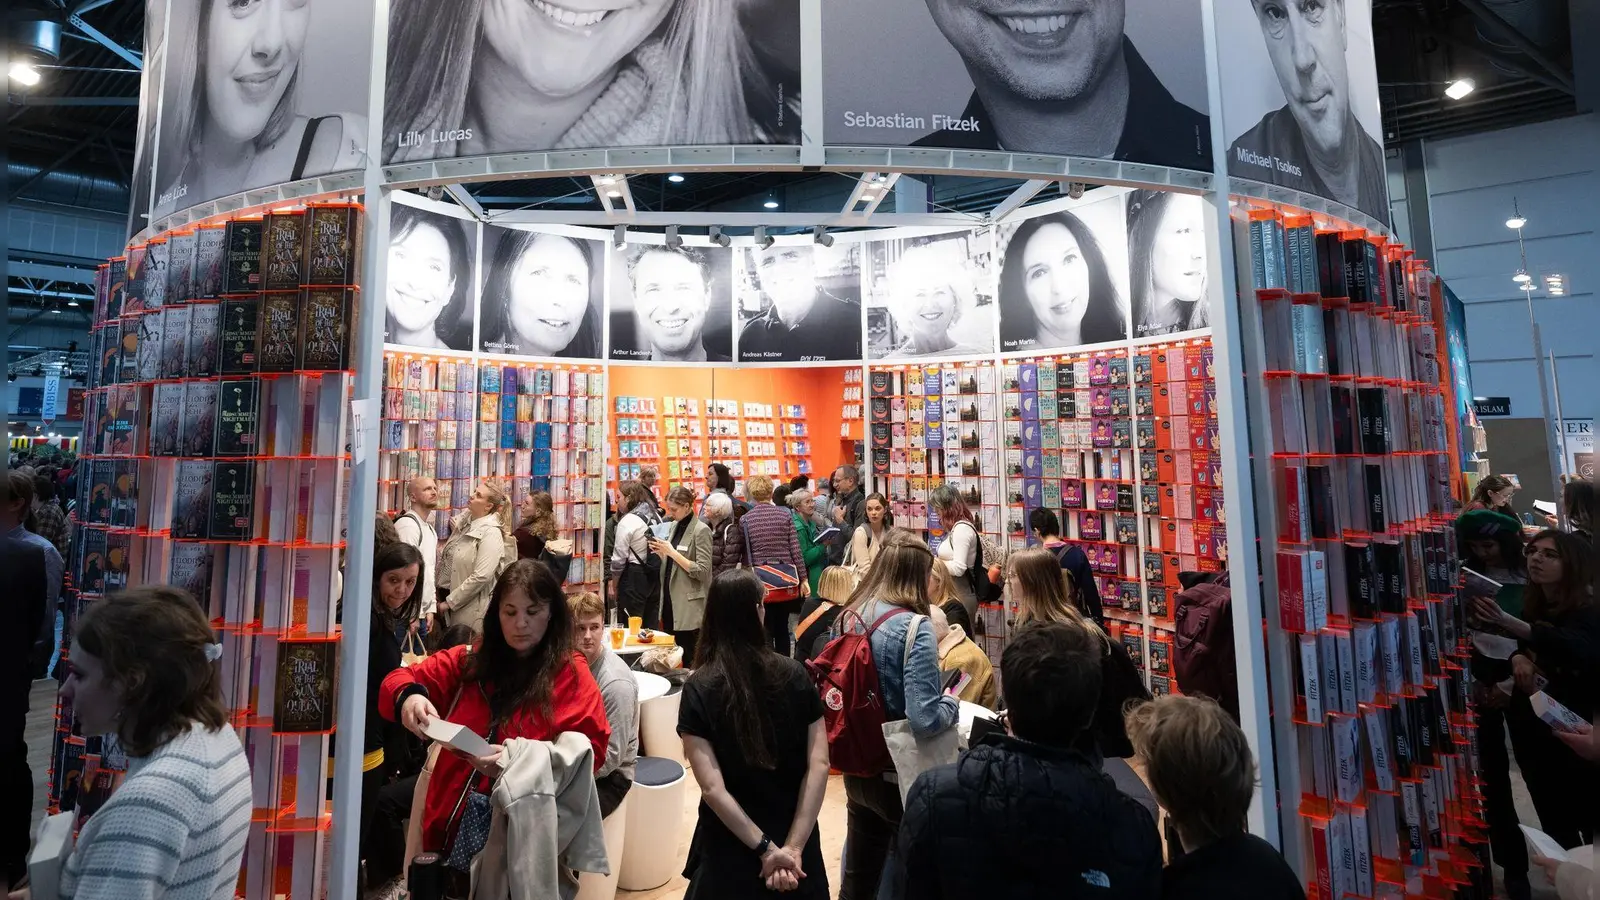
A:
x: 1290, y: 254
x: 319, y: 246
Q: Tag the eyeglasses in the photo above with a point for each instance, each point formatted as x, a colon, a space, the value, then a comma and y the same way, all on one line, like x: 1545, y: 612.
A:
x: 1542, y: 553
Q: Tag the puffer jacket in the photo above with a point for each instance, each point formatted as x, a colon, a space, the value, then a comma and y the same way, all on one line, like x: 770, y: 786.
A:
x: 1046, y: 818
x: 727, y: 547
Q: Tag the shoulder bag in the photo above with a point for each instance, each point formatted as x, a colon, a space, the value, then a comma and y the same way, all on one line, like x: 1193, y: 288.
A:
x: 782, y: 580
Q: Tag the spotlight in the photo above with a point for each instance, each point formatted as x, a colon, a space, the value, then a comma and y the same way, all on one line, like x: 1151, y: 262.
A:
x: 675, y: 178
x: 674, y: 241
x: 436, y: 193
x: 72, y: 303
x: 608, y: 179
x: 1521, y: 277
x: 619, y: 236
x: 1075, y: 190
x: 718, y: 238
x: 1459, y: 88
x: 819, y: 233
x: 614, y: 194
x: 1516, y: 222
x: 24, y: 74
x: 771, y: 201
x: 763, y: 240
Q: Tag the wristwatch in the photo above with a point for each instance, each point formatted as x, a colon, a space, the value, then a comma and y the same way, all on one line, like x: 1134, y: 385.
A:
x: 761, y: 848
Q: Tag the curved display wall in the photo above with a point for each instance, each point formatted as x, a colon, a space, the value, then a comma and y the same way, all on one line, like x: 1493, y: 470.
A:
x: 1063, y: 275
x: 252, y: 96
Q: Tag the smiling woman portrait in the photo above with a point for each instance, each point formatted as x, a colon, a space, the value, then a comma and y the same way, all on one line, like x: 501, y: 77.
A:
x: 932, y: 298
x: 1056, y: 287
x: 542, y: 296
x: 233, y: 98
x: 469, y: 77
x: 428, y: 302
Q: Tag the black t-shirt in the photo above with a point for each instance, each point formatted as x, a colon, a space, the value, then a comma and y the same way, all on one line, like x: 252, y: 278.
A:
x: 768, y: 796
x: 1241, y: 865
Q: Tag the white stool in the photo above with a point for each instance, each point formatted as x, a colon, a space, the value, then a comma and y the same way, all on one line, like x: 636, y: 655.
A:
x: 655, y: 816
x: 658, y: 726
x: 594, y: 886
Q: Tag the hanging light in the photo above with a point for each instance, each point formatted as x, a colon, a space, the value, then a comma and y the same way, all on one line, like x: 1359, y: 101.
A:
x: 771, y: 202
x: 1459, y: 88
x: 24, y: 74
x: 1522, y: 277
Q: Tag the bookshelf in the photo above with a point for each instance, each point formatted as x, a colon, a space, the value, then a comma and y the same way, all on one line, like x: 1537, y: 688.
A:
x: 430, y: 406
x: 1355, y: 492
x: 219, y: 461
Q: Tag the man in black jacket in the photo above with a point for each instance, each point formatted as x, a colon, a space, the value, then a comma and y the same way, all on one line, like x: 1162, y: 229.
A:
x: 23, y: 564
x: 849, y: 511
x: 1024, y: 812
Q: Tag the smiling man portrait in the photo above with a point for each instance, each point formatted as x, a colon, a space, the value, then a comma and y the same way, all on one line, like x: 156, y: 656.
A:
x: 673, y: 289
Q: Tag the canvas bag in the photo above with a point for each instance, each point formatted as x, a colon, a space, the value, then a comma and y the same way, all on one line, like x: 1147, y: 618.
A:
x: 411, y: 650
x: 914, y: 755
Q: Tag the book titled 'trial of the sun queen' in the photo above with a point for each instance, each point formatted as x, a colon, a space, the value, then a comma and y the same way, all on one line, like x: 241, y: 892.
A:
x: 333, y: 242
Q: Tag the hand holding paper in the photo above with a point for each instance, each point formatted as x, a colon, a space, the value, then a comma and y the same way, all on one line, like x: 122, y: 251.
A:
x: 457, y: 737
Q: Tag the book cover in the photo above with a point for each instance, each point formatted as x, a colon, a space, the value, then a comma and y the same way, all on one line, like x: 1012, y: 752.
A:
x: 123, y: 406
x: 92, y: 560
x: 237, y: 415
x: 243, y: 248
x: 110, y: 354
x: 210, y: 261
x: 155, y: 274
x: 331, y: 245
x: 132, y: 330
x: 199, y: 418
x: 202, y: 357
x: 233, y: 501
x: 279, y: 330
x: 166, y: 418
x: 116, y: 285
x: 283, y: 250
x: 151, y: 341
x: 325, y: 329
x: 133, y: 283
x: 125, y: 494
x: 174, y: 341
x: 180, y: 267
x: 101, y: 473
x: 191, y: 570
x: 307, y: 676
x: 191, y: 506
x: 241, y: 336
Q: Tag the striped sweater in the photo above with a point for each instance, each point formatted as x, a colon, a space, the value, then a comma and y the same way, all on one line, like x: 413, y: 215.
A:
x: 769, y: 530
x: 175, y: 829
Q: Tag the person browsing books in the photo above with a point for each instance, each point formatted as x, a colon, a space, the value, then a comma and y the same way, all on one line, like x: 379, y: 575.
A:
x: 685, y: 552
x: 144, y: 669
x: 521, y: 679
x: 752, y: 728
x: 474, y: 555
x: 814, y: 538
x: 1559, y: 641
x: 415, y: 527
x: 1029, y: 809
x: 635, y: 573
x: 1494, y: 492
x: 1201, y: 770
x: 957, y: 653
x: 1046, y: 530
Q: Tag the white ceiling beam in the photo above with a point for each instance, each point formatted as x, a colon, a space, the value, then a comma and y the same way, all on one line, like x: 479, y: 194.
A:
x: 1019, y: 198
x: 468, y: 202
x: 730, y: 219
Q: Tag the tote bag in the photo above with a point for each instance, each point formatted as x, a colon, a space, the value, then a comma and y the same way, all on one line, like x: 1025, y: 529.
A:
x: 914, y: 755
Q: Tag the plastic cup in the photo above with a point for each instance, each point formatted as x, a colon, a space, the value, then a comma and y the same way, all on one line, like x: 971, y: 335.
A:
x: 635, y: 624
x: 617, y: 638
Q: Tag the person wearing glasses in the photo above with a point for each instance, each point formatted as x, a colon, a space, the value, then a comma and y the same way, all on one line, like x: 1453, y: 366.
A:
x: 1558, y: 638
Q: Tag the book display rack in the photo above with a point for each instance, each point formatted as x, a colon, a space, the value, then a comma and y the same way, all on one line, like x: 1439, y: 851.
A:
x: 218, y: 461
x: 1355, y: 494
x: 681, y: 436
x: 430, y: 408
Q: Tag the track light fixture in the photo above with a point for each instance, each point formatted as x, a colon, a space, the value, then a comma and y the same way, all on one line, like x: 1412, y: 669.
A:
x: 674, y: 240
x: 436, y: 193
x: 763, y: 240
x: 718, y: 238
x: 819, y: 233
x: 1075, y: 189
x: 619, y: 236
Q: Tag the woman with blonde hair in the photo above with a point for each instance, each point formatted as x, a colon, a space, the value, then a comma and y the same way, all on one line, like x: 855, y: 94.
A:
x: 817, y: 614
x: 499, y: 76
x: 474, y: 556
x: 911, y: 689
x: 772, y: 539
x: 230, y: 120
x: 933, y: 303
x: 1042, y: 592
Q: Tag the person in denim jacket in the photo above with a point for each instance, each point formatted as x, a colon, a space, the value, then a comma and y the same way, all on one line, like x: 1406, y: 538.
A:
x: 900, y: 582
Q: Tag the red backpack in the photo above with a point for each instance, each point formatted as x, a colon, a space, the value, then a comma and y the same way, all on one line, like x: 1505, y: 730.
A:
x: 852, y: 703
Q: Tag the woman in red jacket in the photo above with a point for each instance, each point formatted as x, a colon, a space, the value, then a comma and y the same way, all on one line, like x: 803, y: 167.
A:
x: 522, y: 679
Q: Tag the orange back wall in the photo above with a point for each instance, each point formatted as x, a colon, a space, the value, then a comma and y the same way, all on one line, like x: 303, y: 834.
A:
x: 819, y: 390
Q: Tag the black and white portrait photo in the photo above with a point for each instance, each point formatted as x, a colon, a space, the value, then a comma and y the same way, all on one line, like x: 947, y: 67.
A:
x: 144, y: 164
x: 671, y: 304
x: 799, y: 302
x: 260, y: 92
x: 1063, y: 278
x: 1111, y: 79
x: 471, y: 77
x: 428, y: 296
x: 542, y: 294
x: 930, y: 297
x: 1300, y: 90
x: 1167, y: 262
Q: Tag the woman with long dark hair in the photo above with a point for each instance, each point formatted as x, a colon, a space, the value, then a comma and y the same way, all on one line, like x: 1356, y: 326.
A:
x: 1042, y: 591
x: 751, y: 722
x: 1491, y: 545
x: 397, y: 580
x: 1167, y: 252
x: 1559, y: 635
x: 522, y: 679
x: 542, y: 297
x: 1493, y: 492
x: 429, y: 301
x: 1056, y: 288
x: 484, y: 76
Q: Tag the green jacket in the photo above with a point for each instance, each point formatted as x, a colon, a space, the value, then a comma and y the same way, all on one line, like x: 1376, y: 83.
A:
x: 815, y: 554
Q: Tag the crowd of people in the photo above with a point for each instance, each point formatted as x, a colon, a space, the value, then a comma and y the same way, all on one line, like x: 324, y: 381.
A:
x: 764, y: 600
